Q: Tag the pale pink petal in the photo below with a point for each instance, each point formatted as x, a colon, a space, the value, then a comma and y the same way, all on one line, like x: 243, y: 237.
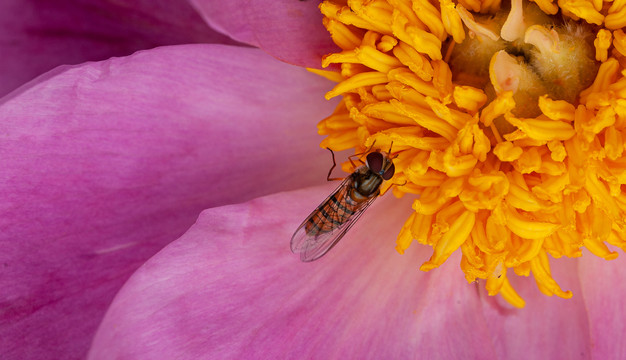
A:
x: 105, y: 163
x: 548, y: 327
x: 604, y: 290
x: 231, y: 289
x: 289, y: 30
x: 38, y: 35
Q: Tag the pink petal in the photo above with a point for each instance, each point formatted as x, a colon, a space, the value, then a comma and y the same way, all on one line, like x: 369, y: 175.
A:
x: 105, y: 163
x: 289, y: 30
x: 604, y: 290
x: 231, y: 289
x: 38, y: 35
x: 548, y: 327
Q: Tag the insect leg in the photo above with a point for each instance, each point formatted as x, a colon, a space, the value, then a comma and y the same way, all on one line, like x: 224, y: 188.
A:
x: 328, y: 178
x: 358, y: 156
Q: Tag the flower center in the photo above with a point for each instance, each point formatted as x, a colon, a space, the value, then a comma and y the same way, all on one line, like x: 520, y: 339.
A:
x: 508, y: 130
x: 527, y: 52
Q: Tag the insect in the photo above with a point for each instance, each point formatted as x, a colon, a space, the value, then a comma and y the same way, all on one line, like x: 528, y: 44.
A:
x: 332, y: 219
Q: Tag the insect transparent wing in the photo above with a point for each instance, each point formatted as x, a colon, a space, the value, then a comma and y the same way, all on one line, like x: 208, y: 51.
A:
x: 313, y: 246
x: 300, y: 238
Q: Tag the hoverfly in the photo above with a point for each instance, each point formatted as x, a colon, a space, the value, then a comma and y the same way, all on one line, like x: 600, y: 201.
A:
x: 335, y: 216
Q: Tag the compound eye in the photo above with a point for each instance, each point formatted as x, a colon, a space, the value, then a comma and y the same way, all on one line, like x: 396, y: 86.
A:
x: 389, y: 172
x: 375, y: 161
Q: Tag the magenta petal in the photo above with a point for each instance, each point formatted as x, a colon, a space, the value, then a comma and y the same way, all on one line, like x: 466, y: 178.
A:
x: 289, y: 30
x: 231, y: 289
x: 105, y: 163
x: 604, y: 290
x: 38, y: 35
x: 548, y: 327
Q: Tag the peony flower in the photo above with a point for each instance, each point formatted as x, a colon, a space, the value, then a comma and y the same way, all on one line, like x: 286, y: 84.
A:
x: 110, y: 161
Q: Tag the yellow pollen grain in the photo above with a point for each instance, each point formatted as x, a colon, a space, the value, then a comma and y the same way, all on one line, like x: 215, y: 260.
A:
x: 556, y: 109
x: 557, y: 150
x: 387, y: 112
x: 365, y: 55
x: 451, y: 240
x: 583, y: 9
x: 387, y: 43
x: 342, y: 35
x: 405, y: 238
x: 502, y: 105
x: 378, y: 13
x: 601, y: 195
x: 451, y: 20
x: 442, y: 79
x: 511, y: 296
x: 619, y: 41
x: 469, y: 98
x: 330, y: 75
x: 524, y: 227
x: 616, y: 5
x: 616, y: 20
x: 424, y: 119
x: 406, y: 94
x: 485, y: 191
x: 429, y: 205
x: 419, y: 39
x: 602, y: 44
x: 522, y: 199
x: 416, y: 62
x: 539, y: 129
x: 357, y: 81
x: 615, y: 240
x: 613, y: 143
x: 507, y: 151
x: 430, y: 16
x: 457, y: 166
x: 344, y: 15
x: 606, y: 75
x: 405, y: 8
x: 421, y: 228
x: 408, y: 78
x: 548, y: 6
x: 541, y: 269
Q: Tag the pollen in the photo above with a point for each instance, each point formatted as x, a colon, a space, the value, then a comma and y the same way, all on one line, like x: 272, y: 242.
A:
x: 507, y: 123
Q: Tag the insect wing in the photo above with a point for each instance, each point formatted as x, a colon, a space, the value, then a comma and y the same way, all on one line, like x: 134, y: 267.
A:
x: 313, y: 246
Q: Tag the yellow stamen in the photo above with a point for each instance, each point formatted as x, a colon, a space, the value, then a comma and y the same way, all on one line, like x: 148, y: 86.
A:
x: 583, y: 9
x: 514, y: 141
x: 547, y: 6
x: 556, y: 109
x: 469, y: 98
x: 616, y: 20
x: 357, y: 81
x: 602, y: 43
x: 620, y: 41
x: 451, y: 20
x: 542, y: 130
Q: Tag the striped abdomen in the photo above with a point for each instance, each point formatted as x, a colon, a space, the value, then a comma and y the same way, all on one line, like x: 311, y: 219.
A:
x: 337, y: 209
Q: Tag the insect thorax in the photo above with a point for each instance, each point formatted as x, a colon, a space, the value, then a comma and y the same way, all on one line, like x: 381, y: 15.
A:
x: 366, y: 184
